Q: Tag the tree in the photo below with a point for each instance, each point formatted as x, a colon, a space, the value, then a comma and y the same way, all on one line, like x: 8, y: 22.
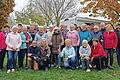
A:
x: 107, y: 8
x: 28, y: 15
x: 56, y: 10
x: 6, y: 7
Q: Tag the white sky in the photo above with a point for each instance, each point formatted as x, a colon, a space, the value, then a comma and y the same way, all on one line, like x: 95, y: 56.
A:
x: 20, y: 4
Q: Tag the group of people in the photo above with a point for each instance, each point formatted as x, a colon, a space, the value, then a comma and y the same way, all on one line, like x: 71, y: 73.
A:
x: 86, y: 46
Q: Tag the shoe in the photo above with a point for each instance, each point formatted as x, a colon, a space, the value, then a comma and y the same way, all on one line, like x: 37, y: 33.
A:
x: 8, y: 71
x: 46, y: 69
x: 88, y: 70
x: 110, y: 67
x: 13, y: 70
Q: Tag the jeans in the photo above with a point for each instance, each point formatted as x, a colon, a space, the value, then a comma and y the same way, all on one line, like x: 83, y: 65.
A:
x: 76, y: 57
x: 69, y: 62
x: 2, y: 56
x: 12, y: 58
x: 21, y: 56
x: 118, y: 56
x: 85, y: 64
x: 110, y: 53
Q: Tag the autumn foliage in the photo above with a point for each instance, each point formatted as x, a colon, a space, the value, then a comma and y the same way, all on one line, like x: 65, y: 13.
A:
x: 107, y: 8
x: 6, y: 7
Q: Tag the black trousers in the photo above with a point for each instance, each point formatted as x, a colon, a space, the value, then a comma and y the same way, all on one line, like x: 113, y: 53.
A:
x: 2, y: 56
x: 21, y: 56
x: 100, y: 62
x: 110, y: 53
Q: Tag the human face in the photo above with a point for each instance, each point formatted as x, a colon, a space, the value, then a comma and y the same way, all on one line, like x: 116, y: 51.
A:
x: 34, y: 43
x: 25, y: 29
x: 43, y: 43
x: 41, y: 29
x: 84, y: 44
x: 19, y: 29
x: 14, y: 30
x: 95, y: 43
x: 72, y: 27
x: 109, y: 27
x: 68, y: 43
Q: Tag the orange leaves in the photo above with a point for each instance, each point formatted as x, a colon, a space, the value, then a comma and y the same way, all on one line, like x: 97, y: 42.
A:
x: 106, y: 8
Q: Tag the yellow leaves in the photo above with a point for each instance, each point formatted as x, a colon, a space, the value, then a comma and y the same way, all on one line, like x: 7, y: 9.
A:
x: 109, y: 8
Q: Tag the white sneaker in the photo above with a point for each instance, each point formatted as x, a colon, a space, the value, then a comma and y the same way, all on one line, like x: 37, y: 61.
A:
x: 88, y: 70
x: 8, y: 71
x: 13, y: 70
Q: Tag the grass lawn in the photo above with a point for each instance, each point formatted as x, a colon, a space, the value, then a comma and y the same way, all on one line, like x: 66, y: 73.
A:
x: 62, y: 74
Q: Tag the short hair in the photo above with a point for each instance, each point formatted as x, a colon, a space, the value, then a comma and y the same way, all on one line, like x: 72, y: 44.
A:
x: 85, y: 41
x: 67, y: 40
x: 95, y: 39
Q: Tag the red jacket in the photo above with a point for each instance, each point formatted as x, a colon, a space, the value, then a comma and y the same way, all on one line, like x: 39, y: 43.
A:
x: 110, y: 40
x: 2, y: 40
x: 97, y: 51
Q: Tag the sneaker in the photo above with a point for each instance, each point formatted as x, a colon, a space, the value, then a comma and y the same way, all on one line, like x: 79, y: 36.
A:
x: 8, y: 71
x: 13, y: 70
x: 88, y: 70
x: 110, y: 67
x: 46, y: 69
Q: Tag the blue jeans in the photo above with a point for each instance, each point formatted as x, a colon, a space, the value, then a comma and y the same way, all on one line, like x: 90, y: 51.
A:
x: 85, y: 64
x: 12, y: 58
x: 69, y: 62
x: 118, y: 56
x: 76, y: 57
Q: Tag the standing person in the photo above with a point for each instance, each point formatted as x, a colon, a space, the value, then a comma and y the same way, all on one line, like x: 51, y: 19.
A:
x: 84, y: 34
x: 97, y: 34
x: 2, y: 47
x: 74, y: 37
x: 20, y: 28
x: 118, y: 46
x: 68, y: 54
x: 13, y: 42
x: 40, y: 34
x: 50, y: 33
x: 57, y: 42
x: 32, y: 31
x: 26, y: 41
x: 110, y: 43
x: 85, y: 53
x: 98, y: 55
x: 102, y: 27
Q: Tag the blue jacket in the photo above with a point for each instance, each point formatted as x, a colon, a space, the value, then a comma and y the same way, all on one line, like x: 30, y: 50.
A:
x: 85, y: 35
x: 24, y: 45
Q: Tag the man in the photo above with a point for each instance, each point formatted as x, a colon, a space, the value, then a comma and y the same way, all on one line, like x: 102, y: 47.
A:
x: 33, y: 50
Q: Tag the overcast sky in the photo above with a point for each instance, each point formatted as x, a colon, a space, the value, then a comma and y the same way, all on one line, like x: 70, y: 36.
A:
x: 20, y: 4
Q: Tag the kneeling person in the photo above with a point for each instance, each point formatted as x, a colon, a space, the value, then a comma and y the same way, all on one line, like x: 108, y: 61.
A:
x: 33, y: 51
x: 68, y: 54
x: 85, y: 52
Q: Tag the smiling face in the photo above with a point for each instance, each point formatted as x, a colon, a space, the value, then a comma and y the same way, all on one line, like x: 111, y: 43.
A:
x: 95, y: 43
x: 68, y: 42
x: 109, y: 27
x: 14, y: 29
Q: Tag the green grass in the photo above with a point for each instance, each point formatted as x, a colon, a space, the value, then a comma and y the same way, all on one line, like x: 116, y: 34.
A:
x: 62, y: 74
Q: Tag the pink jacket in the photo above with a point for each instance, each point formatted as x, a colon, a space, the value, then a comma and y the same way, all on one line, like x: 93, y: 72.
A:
x: 2, y: 40
x: 74, y: 36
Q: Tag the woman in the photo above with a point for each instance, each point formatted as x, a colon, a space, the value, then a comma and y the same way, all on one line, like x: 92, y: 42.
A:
x: 2, y: 48
x: 26, y: 41
x: 84, y: 34
x: 41, y: 34
x: 97, y: 34
x: 13, y: 42
x: 57, y: 42
x: 85, y: 52
x: 43, y: 58
x: 68, y: 54
x: 110, y: 43
x: 75, y: 40
x: 98, y: 55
